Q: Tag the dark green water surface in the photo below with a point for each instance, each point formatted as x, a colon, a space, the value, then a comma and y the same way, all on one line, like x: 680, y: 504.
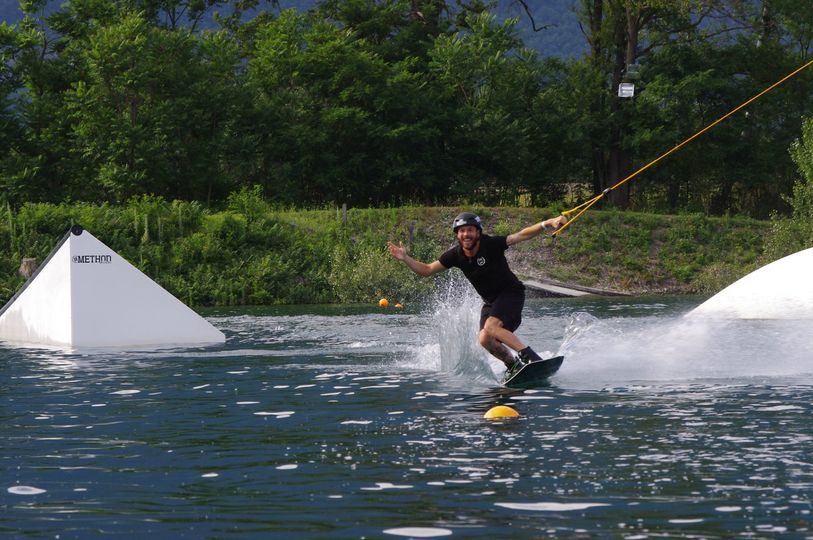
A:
x: 327, y: 422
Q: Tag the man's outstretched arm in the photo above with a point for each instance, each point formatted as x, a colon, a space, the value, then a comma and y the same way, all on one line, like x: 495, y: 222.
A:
x: 536, y: 229
x: 422, y: 269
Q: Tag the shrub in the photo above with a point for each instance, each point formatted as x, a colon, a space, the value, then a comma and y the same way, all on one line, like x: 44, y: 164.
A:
x: 366, y: 274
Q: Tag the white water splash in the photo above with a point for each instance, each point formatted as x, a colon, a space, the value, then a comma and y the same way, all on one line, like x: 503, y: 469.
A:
x: 599, y: 352
x: 578, y: 324
x: 451, y: 342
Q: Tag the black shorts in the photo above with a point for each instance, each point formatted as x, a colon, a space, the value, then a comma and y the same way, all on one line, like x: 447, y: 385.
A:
x: 507, y: 307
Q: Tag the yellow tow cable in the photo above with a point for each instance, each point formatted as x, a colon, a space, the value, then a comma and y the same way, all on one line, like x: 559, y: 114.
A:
x: 582, y: 208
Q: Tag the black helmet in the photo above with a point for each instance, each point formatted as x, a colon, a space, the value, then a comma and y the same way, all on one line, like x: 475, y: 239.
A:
x: 466, y: 218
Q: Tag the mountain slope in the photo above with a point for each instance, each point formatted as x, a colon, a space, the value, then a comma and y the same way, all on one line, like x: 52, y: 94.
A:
x: 559, y: 37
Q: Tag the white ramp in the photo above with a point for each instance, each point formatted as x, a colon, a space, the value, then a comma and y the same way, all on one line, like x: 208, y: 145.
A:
x: 782, y: 289
x: 86, y: 295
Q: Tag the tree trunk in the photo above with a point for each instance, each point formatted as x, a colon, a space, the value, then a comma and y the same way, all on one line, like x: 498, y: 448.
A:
x: 619, y: 159
x: 767, y: 24
x: 595, y: 10
x: 721, y: 200
x: 673, y: 194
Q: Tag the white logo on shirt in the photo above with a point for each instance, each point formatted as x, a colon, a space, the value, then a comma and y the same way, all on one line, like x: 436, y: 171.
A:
x: 481, y: 261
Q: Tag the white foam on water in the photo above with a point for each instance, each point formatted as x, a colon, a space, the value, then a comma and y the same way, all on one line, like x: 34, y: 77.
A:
x: 504, y: 480
x: 550, y: 506
x: 210, y: 475
x: 777, y: 408
x: 329, y: 376
x: 456, y: 319
x: 599, y: 352
x: 772, y: 528
x: 363, y: 344
x: 418, y: 532
x: 288, y: 467
x: 125, y: 392
x: 602, y: 353
x: 423, y: 357
x: 25, y: 490
x: 380, y: 486
x: 449, y: 342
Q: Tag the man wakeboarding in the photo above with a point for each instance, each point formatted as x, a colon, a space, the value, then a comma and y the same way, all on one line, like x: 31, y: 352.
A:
x: 482, y: 259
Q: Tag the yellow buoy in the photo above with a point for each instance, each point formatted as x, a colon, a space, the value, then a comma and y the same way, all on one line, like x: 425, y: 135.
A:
x: 383, y: 302
x: 500, y: 411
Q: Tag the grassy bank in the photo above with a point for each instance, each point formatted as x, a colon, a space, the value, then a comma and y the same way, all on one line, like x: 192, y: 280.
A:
x: 250, y: 253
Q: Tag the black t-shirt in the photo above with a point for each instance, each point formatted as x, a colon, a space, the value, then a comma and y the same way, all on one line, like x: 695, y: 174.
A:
x: 488, y: 270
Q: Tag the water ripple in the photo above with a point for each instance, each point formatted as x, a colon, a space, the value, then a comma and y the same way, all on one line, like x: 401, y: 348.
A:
x: 370, y: 424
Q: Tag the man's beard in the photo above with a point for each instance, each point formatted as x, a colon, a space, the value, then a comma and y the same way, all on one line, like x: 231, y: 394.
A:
x: 473, y: 242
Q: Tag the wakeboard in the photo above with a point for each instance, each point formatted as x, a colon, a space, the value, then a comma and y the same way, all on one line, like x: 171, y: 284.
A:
x: 534, y: 373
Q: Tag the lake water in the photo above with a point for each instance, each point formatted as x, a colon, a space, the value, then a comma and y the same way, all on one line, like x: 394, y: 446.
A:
x: 328, y: 422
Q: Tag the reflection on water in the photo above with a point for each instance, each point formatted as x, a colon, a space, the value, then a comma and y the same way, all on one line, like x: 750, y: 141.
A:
x: 368, y: 423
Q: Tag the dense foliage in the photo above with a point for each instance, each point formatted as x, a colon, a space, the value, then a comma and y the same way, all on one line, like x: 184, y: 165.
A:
x: 796, y: 232
x: 251, y: 253
x: 385, y: 102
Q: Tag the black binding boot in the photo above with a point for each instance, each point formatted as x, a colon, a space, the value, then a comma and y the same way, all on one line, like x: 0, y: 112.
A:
x: 527, y: 355
x: 523, y: 358
x: 513, y: 368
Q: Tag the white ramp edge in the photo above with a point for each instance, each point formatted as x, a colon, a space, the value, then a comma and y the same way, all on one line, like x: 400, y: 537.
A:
x: 782, y: 289
x: 86, y: 295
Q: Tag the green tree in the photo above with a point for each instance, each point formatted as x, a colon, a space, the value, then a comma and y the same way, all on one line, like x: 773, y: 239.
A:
x: 620, y: 34
x: 689, y: 70
x: 395, y: 29
x: 493, y: 87
x: 36, y: 168
x: 741, y: 166
x: 795, y: 233
x: 152, y: 114
x: 12, y: 183
x: 338, y: 123
x: 118, y: 103
x: 186, y: 14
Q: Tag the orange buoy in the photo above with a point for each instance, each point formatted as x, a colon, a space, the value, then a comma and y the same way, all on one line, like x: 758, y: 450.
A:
x: 500, y: 411
x: 399, y: 306
x: 383, y: 302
